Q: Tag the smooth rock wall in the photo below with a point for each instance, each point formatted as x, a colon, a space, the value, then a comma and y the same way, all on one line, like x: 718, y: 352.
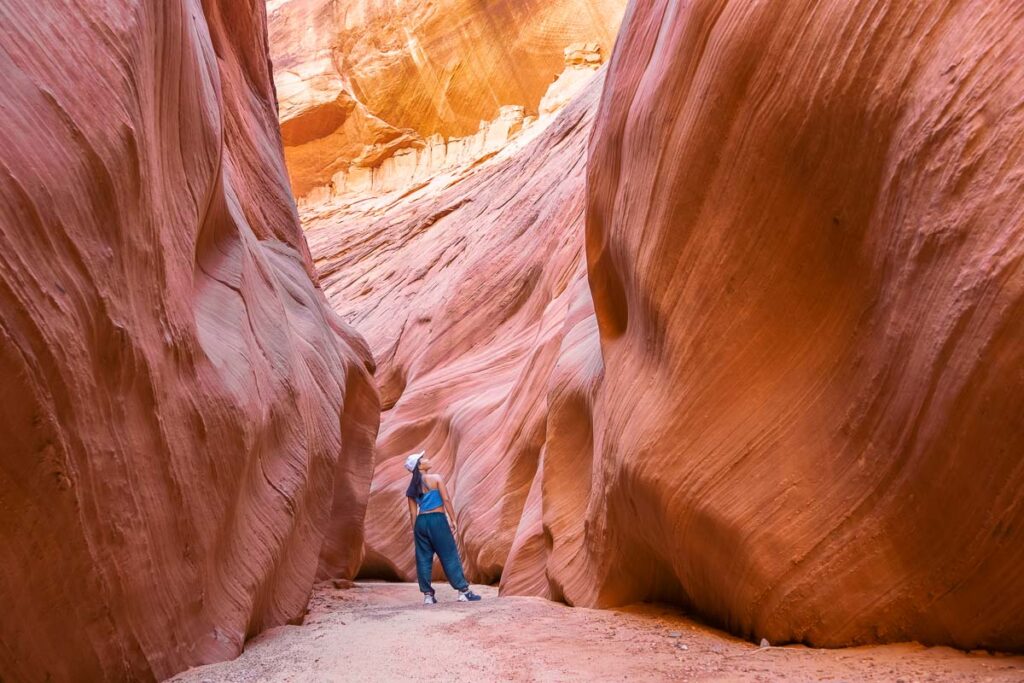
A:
x: 805, y: 239
x: 179, y: 409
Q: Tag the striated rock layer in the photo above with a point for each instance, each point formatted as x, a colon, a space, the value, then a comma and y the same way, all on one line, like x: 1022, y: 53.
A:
x: 179, y: 407
x: 362, y: 82
x: 805, y: 240
x: 472, y: 293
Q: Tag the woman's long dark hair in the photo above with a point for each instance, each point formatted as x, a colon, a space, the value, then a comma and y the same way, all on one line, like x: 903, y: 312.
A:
x: 415, y: 490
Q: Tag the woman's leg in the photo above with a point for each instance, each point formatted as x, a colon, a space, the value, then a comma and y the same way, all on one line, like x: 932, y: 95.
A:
x: 424, y: 555
x: 447, y: 551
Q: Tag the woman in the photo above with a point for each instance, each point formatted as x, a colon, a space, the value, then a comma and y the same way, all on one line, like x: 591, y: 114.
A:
x: 428, y: 502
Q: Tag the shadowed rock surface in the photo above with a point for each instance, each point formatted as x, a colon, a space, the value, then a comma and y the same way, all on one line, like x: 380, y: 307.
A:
x: 179, y: 406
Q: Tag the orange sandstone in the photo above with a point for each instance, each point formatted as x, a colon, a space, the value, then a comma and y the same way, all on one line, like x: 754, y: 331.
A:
x: 364, y: 83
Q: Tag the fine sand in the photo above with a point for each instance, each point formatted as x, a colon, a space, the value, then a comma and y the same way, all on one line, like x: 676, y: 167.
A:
x: 381, y: 632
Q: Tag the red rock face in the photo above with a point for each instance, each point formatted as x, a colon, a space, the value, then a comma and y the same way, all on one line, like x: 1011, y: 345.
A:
x: 468, y: 289
x: 804, y: 239
x: 179, y: 407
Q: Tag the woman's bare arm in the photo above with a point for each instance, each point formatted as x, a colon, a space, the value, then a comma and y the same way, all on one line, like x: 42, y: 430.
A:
x: 412, y: 512
x: 447, y: 502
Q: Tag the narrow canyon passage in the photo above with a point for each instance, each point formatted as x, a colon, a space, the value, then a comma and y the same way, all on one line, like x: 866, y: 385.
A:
x: 697, y: 324
x: 648, y: 340
x: 708, y: 312
x: 379, y: 632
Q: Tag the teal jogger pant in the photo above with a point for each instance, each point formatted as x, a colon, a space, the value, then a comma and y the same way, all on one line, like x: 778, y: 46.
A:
x: 432, y: 536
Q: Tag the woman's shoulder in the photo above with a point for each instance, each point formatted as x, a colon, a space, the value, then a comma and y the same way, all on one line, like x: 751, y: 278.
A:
x: 432, y: 479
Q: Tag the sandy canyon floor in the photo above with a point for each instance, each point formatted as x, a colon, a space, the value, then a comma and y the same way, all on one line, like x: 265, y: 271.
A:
x: 380, y: 632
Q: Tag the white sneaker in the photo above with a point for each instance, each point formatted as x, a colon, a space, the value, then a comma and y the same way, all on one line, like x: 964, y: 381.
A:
x: 468, y: 596
x: 429, y: 600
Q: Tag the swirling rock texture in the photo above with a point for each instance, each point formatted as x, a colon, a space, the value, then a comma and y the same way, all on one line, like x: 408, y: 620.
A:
x: 805, y: 240
x: 360, y: 82
x: 467, y: 290
x: 180, y: 410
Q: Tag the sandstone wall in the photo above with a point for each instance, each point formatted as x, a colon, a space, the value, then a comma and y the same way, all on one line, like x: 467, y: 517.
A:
x: 805, y: 236
x: 362, y: 81
x: 179, y: 407
x: 467, y: 290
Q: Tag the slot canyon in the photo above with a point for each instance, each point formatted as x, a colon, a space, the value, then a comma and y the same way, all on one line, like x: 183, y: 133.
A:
x: 710, y: 314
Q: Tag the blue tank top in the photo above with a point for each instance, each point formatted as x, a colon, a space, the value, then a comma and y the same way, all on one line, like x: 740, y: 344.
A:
x: 431, y: 500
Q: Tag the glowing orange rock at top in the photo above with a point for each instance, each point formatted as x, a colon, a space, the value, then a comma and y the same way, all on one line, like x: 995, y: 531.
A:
x: 361, y: 79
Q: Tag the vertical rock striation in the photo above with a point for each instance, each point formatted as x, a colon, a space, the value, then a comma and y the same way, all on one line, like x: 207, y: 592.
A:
x: 179, y: 407
x: 805, y: 240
